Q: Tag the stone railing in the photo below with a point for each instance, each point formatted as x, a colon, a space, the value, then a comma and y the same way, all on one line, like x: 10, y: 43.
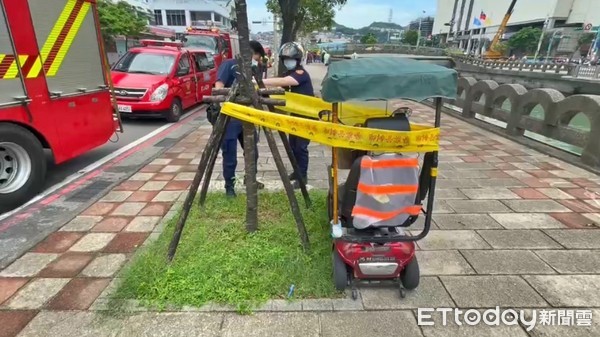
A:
x: 584, y: 71
x: 565, y: 69
x: 487, y: 97
x: 384, y: 49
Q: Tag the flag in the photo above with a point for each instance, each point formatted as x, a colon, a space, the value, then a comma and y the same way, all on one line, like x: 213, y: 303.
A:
x: 476, y: 22
x: 488, y: 21
x: 482, y: 16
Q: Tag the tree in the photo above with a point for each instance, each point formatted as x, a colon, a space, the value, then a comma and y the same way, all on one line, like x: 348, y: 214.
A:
x: 525, y: 40
x: 303, y: 15
x: 120, y: 19
x: 369, y: 39
x: 411, y: 37
x: 501, y: 47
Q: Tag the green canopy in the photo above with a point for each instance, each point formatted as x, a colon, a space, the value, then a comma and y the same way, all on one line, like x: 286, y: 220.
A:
x: 387, y: 78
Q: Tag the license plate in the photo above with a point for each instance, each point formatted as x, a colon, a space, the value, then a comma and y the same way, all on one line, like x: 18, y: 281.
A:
x: 124, y: 108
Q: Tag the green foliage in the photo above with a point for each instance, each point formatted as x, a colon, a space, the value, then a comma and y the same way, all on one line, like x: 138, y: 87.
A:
x: 370, y: 38
x: 120, y: 19
x: 501, y: 47
x: 218, y: 261
x: 411, y: 37
x: 454, y: 52
x: 526, y: 40
x: 312, y: 14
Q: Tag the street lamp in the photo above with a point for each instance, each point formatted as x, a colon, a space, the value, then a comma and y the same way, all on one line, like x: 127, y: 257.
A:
x: 419, y: 39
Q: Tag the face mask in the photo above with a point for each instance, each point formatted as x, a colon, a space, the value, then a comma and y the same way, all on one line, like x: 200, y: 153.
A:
x: 289, y: 64
x: 254, y: 63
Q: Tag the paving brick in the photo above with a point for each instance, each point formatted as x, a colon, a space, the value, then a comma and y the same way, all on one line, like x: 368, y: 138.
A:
x: 465, y: 221
x: 357, y: 324
x: 36, y: 293
x: 489, y: 193
x: 526, y: 220
x: 126, y: 242
x: 99, y: 208
x: 572, y: 261
x: 156, y: 209
x: 557, y: 182
x: 555, y: 193
x: 129, y: 208
x: 78, y: 294
x: 167, y: 196
x: 58, y: 242
x: 161, y: 161
x: 463, y: 174
x: 499, y: 182
x: 129, y: 185
x: 142, y: 176
x: 529, y: 193
x: 449, y: 328
x: 535, y: 206
x: 92, y: 242
x: 81, y: 223
x: 116, y: 196
x: 489, y: 291
x: 143, y: 224
x: 573, y: 220
x: 442, y: 262
x: 151, y: 168
x: 430, y: 293
x: 578, y: 206
x: 284, y: 305
x: 568, y: 290
x: 142, y: 196
x: 163, y: 177
x: 10, y: 285
x: 270, y: 324
x: 574, y: 330
x: 452, y: 239
x: 518, y: 239
x: 104, y: 265
x: 67, y: 265
x: 576, y: 238
x: 593, y: 217
x: 153, y: 186
x: 112, y: 224
x: 74, y: 324
x: 506, y: 262
x: 177, y: 185
x: 457, y: 183
x: 347, y: 304
x: 171, y: 169
x: 440, y: 207
x: 478, y: 206
x: 12, y: 322
x: 317, y: 304
x: 28, y: 265
x: 184, y: 176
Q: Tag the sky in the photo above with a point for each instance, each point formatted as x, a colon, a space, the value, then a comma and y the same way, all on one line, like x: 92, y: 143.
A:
x: 356, y: 13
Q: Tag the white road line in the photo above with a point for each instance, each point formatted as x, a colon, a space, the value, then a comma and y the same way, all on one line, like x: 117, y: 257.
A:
x: 97, y: 164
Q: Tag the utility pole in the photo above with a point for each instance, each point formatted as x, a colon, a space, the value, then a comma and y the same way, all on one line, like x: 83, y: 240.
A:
x: 537, y: 52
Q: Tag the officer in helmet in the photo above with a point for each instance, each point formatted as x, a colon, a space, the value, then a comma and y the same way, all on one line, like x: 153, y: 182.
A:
x: 298, y: 81
x: 234, y: 131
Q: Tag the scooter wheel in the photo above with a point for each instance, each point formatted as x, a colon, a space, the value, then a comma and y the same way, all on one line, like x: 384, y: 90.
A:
x: 340, y: 271
x: 354, y: 294
x: 410, y: 274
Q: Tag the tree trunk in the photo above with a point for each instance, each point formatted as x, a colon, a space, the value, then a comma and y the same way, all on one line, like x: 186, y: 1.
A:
x: 289, y: 10
x: 246, y: 89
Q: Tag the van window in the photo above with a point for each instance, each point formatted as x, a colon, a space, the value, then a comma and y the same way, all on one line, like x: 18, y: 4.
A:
x: 145, y: 63
x: 183, y: 68
x: 202, y: 62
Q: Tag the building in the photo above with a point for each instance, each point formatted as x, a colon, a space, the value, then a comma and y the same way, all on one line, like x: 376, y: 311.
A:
x: 426, y: 24
x: 179, y: 14
x: 143, y: 6
x: 456, y: 19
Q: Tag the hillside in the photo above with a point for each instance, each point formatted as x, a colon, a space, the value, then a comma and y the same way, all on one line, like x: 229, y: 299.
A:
x: 374, y: 28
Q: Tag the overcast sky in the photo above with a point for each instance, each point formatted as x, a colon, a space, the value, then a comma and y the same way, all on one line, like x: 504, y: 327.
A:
x: 356, y: 13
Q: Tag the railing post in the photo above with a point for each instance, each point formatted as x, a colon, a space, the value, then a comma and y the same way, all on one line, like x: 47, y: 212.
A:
x: 597, y: 72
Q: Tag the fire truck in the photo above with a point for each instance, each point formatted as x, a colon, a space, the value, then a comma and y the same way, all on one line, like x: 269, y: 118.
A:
x: 55, y: 91
x: 213, y: 38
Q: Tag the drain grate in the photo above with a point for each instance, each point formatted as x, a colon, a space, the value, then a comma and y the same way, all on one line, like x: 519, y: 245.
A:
x: 89, y: 191
x: 166, y: 142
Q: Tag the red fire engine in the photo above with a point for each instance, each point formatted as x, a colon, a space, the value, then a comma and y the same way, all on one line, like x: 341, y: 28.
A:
x: 55, y: 90
x: 207, y: 36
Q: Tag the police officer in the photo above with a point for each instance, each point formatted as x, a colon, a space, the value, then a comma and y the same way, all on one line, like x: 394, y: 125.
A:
x: 298, y: 81
x: 234, y: 131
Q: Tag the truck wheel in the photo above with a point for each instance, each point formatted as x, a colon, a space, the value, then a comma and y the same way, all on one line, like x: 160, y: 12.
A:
x: 22, y: 166
x: 175, y: 111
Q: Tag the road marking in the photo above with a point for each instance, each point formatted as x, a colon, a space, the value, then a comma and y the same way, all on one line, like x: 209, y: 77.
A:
x: 89, y: 170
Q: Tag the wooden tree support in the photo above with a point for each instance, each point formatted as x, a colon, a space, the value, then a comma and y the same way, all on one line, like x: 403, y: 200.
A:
x: 243, y: 100
x: 261, y: 91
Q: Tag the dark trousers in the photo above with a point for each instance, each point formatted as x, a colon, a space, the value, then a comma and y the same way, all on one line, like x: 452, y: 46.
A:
x: 300, y: 150
x: 229, y: 148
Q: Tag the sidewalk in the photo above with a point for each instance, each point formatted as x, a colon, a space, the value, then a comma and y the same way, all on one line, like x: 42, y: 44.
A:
x: 513, y: 228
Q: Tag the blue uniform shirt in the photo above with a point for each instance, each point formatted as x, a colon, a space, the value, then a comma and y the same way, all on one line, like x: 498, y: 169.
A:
x: 304, y: 86
x: 226, y: 72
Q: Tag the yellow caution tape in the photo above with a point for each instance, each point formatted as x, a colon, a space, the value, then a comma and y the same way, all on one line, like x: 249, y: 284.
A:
x: 425, y: 139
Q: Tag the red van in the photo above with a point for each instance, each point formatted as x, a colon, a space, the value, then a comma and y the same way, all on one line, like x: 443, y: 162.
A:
x: 162, y: 79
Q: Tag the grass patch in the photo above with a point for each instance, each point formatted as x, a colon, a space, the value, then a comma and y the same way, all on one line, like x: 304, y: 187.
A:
x: 219, y: 262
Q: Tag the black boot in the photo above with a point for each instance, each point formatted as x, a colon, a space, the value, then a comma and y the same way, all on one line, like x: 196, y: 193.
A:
x: 230, y: 188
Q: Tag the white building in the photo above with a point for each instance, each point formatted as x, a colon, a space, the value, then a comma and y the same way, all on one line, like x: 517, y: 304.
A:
x: 455, y: 18
x: 179, y: 14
